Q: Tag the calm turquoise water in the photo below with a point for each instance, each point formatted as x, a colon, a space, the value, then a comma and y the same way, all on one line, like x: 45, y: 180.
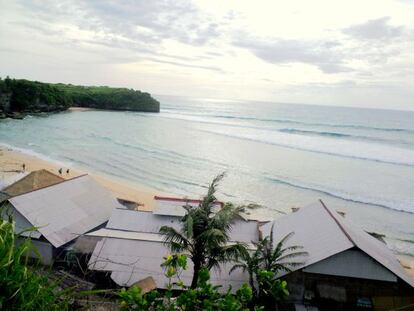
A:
x: 281, y: 156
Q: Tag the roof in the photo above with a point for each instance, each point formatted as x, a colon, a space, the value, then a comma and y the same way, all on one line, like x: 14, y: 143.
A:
x: 175, y: 206
x: 33, y: 181
x: 141, y: 221
x: 66, y: 210
x: 324, y: 233
x: 131, y: 261
x: 128, y: 235
x: 132, y: 248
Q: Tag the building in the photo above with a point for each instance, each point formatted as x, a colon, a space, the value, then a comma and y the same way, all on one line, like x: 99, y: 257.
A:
x: 60, y: 212
x: 32, y: 181
x: 346, y: 269
x: 131, y: 249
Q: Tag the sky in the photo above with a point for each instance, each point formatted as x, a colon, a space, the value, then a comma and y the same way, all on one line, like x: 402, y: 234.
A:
x: 346, y: 53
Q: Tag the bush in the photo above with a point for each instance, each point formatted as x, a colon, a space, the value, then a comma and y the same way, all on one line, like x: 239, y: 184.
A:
x: 21, y: 287
x: 204, y: 297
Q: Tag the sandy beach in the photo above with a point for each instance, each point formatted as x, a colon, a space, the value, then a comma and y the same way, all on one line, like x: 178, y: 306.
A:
x: 80, y: 109
x: 11, y: 169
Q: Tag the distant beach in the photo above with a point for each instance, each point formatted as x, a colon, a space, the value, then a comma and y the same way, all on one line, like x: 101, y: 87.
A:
x: 11, y: 164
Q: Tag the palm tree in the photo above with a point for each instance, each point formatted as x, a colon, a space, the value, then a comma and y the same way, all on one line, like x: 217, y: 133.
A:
x: 248, y: 261
x: 264, y: 263
x: 278, y: 258
x: 204, y: 233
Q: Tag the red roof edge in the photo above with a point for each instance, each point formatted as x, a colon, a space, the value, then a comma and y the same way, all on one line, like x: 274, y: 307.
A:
x: 185, y: 200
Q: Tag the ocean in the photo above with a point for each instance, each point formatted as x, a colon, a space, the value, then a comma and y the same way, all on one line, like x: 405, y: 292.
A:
x: 280, y: 156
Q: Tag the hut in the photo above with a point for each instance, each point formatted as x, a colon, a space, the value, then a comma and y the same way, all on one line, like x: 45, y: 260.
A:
x: 32, y: 181
x: 60, y: 213
x: 346, y: 269
x: 132, y: 250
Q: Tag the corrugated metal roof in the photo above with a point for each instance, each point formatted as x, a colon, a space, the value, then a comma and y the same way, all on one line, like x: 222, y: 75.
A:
x: 128, y: 235
x: 142, y: 236
x: 65, y: 210
x: 133, y: 249
x: 133, y: 260
x: 175, y: 206
x: 140, y: 221
x: 323, y: 233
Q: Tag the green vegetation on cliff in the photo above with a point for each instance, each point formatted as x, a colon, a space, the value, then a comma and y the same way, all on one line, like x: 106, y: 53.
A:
x: 31, y: 96
x: 24, y: 96
x: 103, y: 97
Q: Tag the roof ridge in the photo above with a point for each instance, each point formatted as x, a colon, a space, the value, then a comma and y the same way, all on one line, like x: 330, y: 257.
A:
x: 32, y: 174
x: 338, y: 223
x: 63, y: 181
x: 19, y: 180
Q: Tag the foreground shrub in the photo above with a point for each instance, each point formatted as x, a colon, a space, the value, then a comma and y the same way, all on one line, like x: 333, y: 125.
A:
x: 21, y: 288
x: 204, y: 296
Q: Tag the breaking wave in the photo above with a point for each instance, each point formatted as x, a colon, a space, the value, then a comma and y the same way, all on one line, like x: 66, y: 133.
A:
x: 350, y: 197
x: 341, y: 148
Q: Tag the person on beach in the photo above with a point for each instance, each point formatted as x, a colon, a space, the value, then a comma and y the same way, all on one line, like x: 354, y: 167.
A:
x: 60, y: 171
x: 24, y: 166
x: 67, y: 171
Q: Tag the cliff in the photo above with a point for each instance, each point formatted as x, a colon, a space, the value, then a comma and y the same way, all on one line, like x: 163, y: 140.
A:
x: 18, y: 96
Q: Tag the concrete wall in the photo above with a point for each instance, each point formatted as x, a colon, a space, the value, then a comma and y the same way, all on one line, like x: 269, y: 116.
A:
x: 352, y: 263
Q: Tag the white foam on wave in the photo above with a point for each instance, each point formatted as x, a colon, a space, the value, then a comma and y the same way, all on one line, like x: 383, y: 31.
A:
x: 363, y: 198
x: 326, y: 145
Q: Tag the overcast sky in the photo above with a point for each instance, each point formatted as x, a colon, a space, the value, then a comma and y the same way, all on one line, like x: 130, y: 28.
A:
x: 354, y: 53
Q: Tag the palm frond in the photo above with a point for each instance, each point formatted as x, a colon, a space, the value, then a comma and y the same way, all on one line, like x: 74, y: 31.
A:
x: 174, y: 239
x: 293, y: 255
x: 241, y: 266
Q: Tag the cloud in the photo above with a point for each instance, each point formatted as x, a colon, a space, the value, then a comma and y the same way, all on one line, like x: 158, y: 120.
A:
x: 180, y: 64
x: 376, y: 29
x: 324, y: 55
x: 139, y: 21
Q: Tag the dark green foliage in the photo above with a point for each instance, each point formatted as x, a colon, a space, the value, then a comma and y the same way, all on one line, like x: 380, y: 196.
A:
x: 204, y: 296
x: 32, y: 96
x: 103, y: 97
x: 277, y: 258
x: 133, y: 299
x: 263, y: 265
x: 21, y: 288
x: 271, y: 289
x: 204, y: 233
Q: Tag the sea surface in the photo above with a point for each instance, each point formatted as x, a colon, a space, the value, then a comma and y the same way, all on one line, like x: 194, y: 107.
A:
x: 360, y: 161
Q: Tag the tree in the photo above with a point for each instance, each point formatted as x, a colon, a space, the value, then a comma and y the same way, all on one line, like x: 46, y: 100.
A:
x: 248, y: 262
x: 204, y: 233
x: 278, y: 258
x: 263, y: 265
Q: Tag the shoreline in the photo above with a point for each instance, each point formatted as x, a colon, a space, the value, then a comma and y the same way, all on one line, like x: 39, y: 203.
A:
x: 80, y: 109
x: 11, y: 161
x: 12, y: 158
